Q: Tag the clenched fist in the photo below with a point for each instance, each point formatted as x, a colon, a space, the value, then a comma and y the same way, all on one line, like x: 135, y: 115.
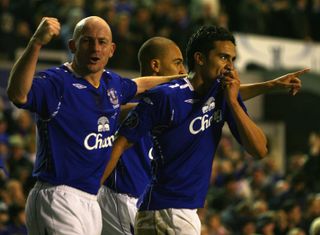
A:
x: 47, y: 29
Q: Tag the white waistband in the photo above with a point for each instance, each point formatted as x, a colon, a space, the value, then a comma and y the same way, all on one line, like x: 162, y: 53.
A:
x: 44, y: 185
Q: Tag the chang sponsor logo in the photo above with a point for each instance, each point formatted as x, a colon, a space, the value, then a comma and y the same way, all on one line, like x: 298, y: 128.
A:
x: 209, y: 105
x: 96, y: 140
x: 150, y: 154
x: 201, y: 123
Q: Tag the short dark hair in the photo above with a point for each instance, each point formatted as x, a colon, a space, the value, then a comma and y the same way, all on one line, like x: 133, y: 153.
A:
x: 153, y: 48
x: 202, y: 41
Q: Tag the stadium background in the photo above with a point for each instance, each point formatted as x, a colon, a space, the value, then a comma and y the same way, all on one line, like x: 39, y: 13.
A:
x: 274, y: 37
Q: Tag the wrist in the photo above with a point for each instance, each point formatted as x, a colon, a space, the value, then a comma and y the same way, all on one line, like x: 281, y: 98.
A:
x: 35, y: 43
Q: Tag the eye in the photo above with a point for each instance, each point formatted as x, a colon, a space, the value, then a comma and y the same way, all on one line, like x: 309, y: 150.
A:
x: 178, y: 62
x: 224, y: 57
x: 103, y: 42
x: 85, y: 40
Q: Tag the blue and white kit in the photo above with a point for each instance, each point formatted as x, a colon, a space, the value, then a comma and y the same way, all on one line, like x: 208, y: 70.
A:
x: 76, y: 125
x: 186, y: 130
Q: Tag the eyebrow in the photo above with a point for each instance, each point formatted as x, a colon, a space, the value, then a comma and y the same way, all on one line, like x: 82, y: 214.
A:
x: 99, y: 38
x: 178, y: 59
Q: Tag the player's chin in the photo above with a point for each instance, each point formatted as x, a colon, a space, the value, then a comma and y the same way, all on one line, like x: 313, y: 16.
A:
x: 94, y: 67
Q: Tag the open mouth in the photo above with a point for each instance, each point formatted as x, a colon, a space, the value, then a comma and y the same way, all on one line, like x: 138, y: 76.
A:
x: 94, y: 59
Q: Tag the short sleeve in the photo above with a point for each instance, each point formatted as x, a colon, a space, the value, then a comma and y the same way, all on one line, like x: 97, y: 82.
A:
x: 153, y: 111
x: 45, y: 90
x: 128, y: 90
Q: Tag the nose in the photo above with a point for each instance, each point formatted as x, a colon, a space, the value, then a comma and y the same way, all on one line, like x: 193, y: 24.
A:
x: 95, y: 45
x: 182, y: 69
x: 228, y: 67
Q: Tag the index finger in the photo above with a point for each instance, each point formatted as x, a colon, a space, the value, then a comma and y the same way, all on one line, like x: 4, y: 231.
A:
x: 300, y: 72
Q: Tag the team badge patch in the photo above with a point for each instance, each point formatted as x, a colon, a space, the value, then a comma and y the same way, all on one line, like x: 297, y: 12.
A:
x: 113, y: 97
x: 147, y: 100
x: 132, y: 120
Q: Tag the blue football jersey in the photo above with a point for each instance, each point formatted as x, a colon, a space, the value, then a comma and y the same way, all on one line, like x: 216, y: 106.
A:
x: 133, y: 171
x: 76, y: 123
x: 186, y: 130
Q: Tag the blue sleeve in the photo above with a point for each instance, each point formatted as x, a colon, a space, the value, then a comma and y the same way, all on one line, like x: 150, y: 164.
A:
x: 128, y: 90
x: 153, y: 112
x: 46, y: 91
x: 231, y: 122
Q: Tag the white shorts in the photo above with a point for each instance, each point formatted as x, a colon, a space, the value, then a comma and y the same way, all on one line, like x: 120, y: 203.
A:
x: 168, y: 221
x: 118, y: 212
x: 62, y: 210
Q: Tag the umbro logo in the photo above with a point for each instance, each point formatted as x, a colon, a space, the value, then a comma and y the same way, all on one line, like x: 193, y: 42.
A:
x: 79, y: 86
x: 191, y: 101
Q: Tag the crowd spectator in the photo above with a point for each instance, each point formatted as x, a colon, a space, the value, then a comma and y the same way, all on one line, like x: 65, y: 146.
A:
x: 134, y: 21
x: 245, y: 196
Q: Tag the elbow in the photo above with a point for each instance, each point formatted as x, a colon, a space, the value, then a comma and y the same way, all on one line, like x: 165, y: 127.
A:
x: 261, y: 152
x: 15, y: 98
x: 264, y: 153
x: 258, y: 151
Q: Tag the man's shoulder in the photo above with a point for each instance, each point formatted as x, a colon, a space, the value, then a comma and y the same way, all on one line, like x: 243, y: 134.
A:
x: 108, y: 74
x: 172, y: 88
x: 55, y: 74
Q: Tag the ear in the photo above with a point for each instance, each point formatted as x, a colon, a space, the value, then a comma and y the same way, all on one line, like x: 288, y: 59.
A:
x: 72, y: 46
x: 198, y: 58
x: 113, y: 48
x: 155, y: 65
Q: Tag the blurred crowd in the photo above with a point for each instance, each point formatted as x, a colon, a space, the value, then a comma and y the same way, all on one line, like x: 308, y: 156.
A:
x: 135, y: 21
x: 246, y: 196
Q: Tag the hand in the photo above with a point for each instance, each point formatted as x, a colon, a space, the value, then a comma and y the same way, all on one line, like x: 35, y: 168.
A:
x: 231, y: 84
x: 289, y: 81
x: 47, y: 29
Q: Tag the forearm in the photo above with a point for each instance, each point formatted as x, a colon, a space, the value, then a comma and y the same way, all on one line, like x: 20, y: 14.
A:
x: 22, y: 73
x: 252, y: 137
x: 148, y: 82
x: 249, y: 91
x: 119, y: 146
x: 125, y: 109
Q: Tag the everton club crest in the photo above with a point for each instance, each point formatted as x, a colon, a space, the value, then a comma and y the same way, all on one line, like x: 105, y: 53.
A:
x: 113, y: 97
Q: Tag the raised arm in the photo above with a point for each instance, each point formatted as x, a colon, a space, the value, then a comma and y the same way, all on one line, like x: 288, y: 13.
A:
x: 252, y: 137
x: 290, y: 82
x: 21, y: 75
x: 120, y: 145
x: 147, y: 82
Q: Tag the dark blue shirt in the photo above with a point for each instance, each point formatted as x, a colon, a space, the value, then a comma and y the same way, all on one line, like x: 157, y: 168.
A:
x: 76, y: 123
x: 186, y: 131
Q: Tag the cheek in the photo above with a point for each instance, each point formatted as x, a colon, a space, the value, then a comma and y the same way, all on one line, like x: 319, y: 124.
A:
x: 109, y: 51
x: 176, y: 70
x: 167, y: 69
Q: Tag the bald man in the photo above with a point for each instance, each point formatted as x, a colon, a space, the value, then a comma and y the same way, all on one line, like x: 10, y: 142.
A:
x: 77, y: 106
x: 119, y: 194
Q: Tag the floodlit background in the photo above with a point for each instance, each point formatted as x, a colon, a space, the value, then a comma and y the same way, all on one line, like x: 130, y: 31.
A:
x: 274, y: 37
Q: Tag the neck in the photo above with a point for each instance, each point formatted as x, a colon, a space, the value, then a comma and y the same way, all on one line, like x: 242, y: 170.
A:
x: 92, y: 78
x: 200, y: 85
